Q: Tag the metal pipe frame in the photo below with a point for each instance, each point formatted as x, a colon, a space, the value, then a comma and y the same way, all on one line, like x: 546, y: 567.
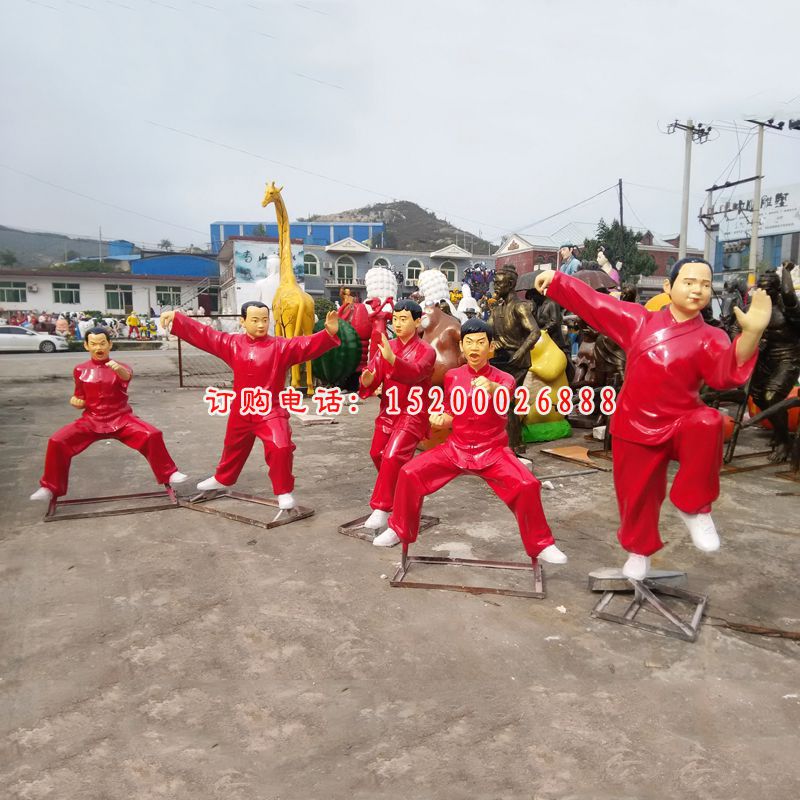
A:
x: 356, y: 529
x: 646, y: 594
x: 399, y: 578
x: 169, y: 500
x: 284, y: 517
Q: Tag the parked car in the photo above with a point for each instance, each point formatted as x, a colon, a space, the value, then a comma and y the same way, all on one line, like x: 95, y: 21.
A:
x: 14, y: 337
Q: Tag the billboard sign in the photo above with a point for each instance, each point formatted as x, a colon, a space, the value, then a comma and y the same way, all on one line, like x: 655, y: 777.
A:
x: 779, y: 214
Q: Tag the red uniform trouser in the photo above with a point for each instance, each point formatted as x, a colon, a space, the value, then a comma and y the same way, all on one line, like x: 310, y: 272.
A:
x: 74, y: 438
x: 508, y: 479
x: 240, y: 436
x: 391, y: 449
x: 640, y: 477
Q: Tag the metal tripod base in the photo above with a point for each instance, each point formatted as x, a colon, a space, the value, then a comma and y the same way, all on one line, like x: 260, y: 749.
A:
x: 356, y: 529
x: 400, y: 578
x: 649, y: 594
x: 735, y: 465
x: 166, y: 495
x: 199, y: 502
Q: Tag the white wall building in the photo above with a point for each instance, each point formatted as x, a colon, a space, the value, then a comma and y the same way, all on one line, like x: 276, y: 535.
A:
x: 113, y: 293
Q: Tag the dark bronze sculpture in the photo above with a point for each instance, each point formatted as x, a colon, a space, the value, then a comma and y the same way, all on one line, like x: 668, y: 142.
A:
x: 778, y: 365
x: 515, y: 334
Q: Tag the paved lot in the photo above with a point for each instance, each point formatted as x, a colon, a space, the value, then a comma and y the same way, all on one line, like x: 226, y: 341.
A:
x: 177, y: 655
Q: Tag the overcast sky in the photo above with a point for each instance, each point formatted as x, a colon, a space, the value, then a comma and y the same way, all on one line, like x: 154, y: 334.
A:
x: 493, y: 114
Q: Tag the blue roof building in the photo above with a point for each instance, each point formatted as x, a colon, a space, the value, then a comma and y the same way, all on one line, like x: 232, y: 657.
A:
x: 319, y: 233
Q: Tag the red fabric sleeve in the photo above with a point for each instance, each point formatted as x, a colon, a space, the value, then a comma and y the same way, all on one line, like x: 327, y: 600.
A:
x: 412, y: 371
x: 306, y: 348
x: 719, y: 368
x: 202, y: 336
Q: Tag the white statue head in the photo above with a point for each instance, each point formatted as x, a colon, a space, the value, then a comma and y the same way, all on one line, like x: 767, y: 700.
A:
x: 273, y: 264
x: 380, y: 282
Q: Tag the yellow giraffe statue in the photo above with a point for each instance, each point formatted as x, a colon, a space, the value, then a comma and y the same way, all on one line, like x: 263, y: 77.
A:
x: 292, y: 308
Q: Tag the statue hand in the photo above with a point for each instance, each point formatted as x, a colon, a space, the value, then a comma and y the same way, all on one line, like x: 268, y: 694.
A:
x: 386, y: 350
x: 332, y: 323
x: 367, y: 378
x: 758, y: 314
x: 77, y: 402
x: 788, y: 266
x: 518, y: 359
x: 166, y: 319
x: 484, y: 383
x: 440, y: 420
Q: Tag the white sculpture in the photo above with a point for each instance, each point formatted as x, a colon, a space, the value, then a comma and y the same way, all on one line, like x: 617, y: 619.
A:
x: 434, y: 288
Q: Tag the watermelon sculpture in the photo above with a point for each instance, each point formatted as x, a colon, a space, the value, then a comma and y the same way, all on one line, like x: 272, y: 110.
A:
x: 336, y: 366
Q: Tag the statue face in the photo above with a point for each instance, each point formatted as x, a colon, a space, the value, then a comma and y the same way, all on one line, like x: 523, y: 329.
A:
x: 477, y: 349
x: 98, y: 345
x: 565, y: 253
x: 256, y: 324
x: 405, y: 326
x: 601, y: 259
x: 504, y: 283
x: 691, y: 292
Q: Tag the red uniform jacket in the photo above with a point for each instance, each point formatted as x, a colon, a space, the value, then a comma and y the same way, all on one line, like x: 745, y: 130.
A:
x: 413, y: 366
x: 477, y: 439
x: 256, y: 363
x: 105, y: 394
x: 667, y: 361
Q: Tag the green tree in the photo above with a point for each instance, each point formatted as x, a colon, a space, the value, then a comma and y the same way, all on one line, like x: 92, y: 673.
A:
x: 7, y: 258
x: 165, y: 244
x: 259, y: 230
x: 622, y: 243
x: 322, y: 306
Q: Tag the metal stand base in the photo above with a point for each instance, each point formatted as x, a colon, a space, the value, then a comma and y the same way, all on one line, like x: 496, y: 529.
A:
x: 648, y: 594
x: 790, y: 475
x: 400, y: 577
x: 732, y: 468
x: 283, y: 517
x: 167, y: 496
x: 576, y: 454
x: 356, y: 529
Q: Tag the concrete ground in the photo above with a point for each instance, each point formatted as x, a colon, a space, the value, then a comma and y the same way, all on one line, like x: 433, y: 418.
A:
x: 178, y: 655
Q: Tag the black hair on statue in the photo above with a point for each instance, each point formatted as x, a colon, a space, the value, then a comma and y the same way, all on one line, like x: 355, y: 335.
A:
x: 252, y: 304
x: 97, y: 330
x: 676, y: 267
x: 476, y: 326
x: 411, y: 306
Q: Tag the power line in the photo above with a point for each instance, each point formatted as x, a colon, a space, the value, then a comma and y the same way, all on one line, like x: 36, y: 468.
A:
x: 564, y: 210
x: 294, y: 167
x: 101, y: 202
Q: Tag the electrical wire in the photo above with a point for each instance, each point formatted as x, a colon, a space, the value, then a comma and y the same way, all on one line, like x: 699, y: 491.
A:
x: 563, y: 210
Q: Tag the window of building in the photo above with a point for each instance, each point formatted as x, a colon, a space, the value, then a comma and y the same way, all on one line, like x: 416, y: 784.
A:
x: 310, y: 264
x: 13, y: 292
x: 119, y: 297
x: 382, y: 262
x: 450, y: 272
x: 345, y: 269
x: 69, y: 293
x: 168, y: 295
x: 413, y: 269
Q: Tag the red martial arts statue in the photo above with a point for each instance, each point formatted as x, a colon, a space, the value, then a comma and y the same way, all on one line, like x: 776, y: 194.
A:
x: 659, y: 416
x: 478, y: 445
x: 101, y: 390
x: 399, y: 365
x: 258, y: 361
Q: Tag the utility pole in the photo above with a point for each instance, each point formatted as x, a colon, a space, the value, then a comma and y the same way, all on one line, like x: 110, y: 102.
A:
x: 709, y: 227
x: 100, y: 244
x: 621, y: 223
x: 700, y: 135
x: 770, y: 123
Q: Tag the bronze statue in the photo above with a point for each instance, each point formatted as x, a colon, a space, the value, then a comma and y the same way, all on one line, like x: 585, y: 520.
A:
x: 515, y: 333
x: 778, y: 365
x: 442, y: 332
x: 609, y: 357
x: 732, y: 297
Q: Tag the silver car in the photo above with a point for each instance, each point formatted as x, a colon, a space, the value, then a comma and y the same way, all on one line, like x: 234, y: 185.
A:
x: 15, y: 337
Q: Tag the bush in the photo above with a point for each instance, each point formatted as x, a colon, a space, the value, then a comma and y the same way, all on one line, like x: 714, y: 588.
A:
x: 322, y: 306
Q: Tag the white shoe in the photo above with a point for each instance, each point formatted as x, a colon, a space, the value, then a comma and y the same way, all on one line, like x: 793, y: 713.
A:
x: 286, y: 502
x: 387, y: 539
x: 177, y: 477
x: 702, y: 530
x: 42, y: 494
x: 209, y: 484
x: 636, y: 567
x: 377, y: 519
x: 552, y: 555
